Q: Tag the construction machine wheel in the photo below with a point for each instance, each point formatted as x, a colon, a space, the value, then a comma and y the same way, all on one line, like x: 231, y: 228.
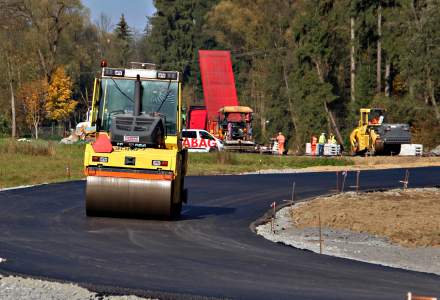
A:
x: 379, y: 146
x: 127, y: 197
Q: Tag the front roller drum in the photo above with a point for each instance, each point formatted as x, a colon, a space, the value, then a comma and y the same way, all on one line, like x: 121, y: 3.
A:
x: 115, y: 197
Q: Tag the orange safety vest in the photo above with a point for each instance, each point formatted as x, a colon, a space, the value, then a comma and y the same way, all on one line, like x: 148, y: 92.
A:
x: 281, y: 139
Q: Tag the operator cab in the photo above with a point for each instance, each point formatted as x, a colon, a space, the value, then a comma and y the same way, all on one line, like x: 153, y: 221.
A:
x: 372, y: 117
x: 376, y: 116
x: 235, y: 122
x: 138, y: 107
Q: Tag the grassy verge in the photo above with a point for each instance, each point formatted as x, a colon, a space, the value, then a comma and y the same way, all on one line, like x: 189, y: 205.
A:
x: 233, y: 163
x: 24, y: 163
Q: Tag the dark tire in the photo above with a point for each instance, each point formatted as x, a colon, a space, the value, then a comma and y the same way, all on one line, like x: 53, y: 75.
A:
x: 176, y: 210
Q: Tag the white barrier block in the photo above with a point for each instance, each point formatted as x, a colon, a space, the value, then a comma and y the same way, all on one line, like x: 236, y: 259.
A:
x: 308, y: 149
x: 332, y: 149
x: 411, y: 150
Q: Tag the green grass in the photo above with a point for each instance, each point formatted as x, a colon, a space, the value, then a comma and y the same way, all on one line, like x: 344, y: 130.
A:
x: 233, y: 163
x: 25, y: 163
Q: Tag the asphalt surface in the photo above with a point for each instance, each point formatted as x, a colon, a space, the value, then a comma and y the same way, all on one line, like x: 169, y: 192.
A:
x: 210, y: 252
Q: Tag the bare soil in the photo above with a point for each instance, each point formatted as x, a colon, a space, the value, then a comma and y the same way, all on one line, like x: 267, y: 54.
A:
x: 409, y: 218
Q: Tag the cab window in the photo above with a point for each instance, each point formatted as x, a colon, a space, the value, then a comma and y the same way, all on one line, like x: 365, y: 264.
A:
x: 189, y: 134
x: 205, y: 135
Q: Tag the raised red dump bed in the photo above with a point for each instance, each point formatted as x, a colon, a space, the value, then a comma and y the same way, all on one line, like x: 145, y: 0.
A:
x: 218, y: 82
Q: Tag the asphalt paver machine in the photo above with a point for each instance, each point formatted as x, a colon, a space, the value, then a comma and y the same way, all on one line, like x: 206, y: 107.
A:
x: 136, y: 165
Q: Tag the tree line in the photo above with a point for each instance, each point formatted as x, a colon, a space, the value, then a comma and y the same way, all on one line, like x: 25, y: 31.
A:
x: 304, y: 66
x: 50, y: 52
x: 307, y: 66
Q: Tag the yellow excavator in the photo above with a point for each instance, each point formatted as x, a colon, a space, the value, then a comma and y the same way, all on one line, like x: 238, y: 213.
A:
x: 375, y: 136
x: 136, y: 165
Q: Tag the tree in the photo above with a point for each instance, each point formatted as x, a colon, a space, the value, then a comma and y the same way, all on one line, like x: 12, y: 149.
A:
x: 49, y: 20
x: 59, y: 103
x: 33, y: 96
x: 175, y: 33
x: 10, y: 17
x: 123, y: 31
x: 124, y: 38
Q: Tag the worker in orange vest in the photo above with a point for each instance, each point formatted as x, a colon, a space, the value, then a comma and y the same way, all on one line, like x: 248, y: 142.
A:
x: 314, y: 143
x: 281, y: 139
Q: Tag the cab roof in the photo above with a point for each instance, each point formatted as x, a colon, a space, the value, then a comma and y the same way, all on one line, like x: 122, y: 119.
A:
x: 236, y: 109
x: 143, y: 73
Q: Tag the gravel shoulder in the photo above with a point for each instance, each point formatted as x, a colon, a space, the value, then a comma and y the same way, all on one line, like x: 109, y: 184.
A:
x: 364, y: 163
x: 12, y: 288
x: 341, y: 239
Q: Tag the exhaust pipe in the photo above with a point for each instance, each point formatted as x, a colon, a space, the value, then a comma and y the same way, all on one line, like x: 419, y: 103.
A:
x: 137, y: 96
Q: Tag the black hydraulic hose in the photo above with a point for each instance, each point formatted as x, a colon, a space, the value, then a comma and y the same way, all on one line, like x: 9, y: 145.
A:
x: 119, y: 89
x: 165, y: 97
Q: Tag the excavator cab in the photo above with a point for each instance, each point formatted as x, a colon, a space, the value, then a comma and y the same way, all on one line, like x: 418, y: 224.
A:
x: 371, y: 116
x: 376, y: 116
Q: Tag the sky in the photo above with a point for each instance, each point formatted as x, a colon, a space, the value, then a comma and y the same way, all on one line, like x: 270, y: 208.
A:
x: 135, y: 11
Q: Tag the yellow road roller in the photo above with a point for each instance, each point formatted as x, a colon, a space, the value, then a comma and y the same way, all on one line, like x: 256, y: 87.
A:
x: 135, y: 164
x: 374, y: 135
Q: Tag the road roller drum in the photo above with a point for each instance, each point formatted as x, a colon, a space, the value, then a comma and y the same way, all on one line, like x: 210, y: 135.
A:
x: 112, y: 196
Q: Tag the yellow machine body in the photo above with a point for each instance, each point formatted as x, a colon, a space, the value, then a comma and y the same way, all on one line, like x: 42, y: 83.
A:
x: 375, y: 136
x: 128, y: 180
x: 363, y: 138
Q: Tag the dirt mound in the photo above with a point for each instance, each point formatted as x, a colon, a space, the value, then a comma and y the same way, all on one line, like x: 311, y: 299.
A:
x: 409, y: 218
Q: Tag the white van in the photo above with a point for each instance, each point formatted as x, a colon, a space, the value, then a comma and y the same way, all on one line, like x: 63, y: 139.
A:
x: 199, y: 140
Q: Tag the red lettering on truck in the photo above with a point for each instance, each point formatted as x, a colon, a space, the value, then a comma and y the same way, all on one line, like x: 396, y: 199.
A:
x: 195, y: 143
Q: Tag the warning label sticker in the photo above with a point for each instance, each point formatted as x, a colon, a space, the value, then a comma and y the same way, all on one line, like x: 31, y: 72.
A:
x: 131, y: 139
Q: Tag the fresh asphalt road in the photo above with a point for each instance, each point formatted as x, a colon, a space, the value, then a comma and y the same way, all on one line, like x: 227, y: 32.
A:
x: 210, y: 252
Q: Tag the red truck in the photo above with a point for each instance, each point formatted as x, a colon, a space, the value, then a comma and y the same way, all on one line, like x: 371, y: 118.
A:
x: 222, y: 115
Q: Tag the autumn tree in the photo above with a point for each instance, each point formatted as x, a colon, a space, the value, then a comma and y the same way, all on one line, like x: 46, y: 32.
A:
x: 33, y: 96
x: 59, y: 103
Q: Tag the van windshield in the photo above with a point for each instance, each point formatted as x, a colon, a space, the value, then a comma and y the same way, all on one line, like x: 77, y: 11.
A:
x: 117, y: 97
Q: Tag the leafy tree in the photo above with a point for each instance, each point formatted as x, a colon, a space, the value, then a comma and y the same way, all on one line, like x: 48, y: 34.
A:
x: 59, y: 103
x: 49, y: 21
x: 33, y: 96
